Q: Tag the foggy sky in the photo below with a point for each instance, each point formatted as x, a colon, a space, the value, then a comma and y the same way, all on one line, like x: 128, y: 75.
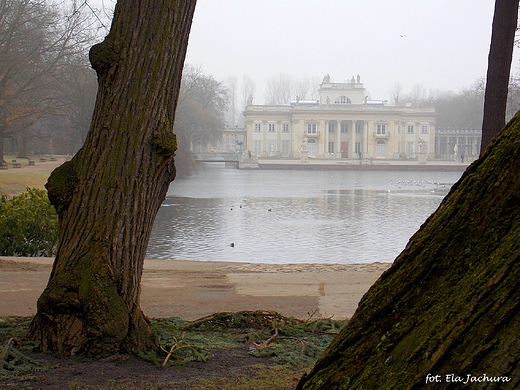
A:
x: 445, y: 43
x: 440, y: 44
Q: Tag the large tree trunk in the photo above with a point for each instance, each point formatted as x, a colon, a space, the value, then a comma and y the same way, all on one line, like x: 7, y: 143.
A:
x: 450, y: 303
x: 2, y: 143
x: 107, y: 196
x: 499, y: 68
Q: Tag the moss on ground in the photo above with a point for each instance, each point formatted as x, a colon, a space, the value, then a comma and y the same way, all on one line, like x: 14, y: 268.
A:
x: 282, y: 351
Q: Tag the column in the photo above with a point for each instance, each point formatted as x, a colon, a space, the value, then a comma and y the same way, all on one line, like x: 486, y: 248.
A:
x: 322, y: 124
x: 402, y: 125
x: 278, y: 130
x: 264, y: 140
x: 366, y: 152
x: 352, y: 147
x: 337, y: 145
x: 327, y: 136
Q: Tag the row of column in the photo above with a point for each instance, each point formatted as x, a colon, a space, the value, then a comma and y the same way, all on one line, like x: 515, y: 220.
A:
x: 337, y: 137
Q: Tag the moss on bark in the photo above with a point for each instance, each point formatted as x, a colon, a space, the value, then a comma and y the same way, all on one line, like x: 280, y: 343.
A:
x: 103, y: 56
x: 60, y: 186
x: 450, y: 302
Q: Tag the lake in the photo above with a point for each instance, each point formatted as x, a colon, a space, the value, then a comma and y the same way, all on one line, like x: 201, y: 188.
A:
x: 283, y: 216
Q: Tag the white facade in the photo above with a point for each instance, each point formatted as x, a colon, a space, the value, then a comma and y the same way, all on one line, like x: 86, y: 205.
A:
x: 342, y: 124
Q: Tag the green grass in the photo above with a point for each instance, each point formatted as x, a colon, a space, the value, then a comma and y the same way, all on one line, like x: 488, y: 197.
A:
x: 14, y: 181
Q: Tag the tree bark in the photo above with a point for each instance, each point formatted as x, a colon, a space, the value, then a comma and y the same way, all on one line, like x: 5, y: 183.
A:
x: 2, y: 142
x: 107, y: 196
x: 499, y: 68
x: 450, y: 302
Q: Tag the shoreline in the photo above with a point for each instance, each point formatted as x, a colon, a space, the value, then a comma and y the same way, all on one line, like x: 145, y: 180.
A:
x: 193, y: 289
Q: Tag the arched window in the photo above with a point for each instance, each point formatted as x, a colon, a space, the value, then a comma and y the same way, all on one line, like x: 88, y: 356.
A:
x: 342, y: 100
x: 380, y: 149
x: 311, y: 147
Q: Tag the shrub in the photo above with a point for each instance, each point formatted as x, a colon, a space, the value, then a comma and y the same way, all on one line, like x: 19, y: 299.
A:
x: 28, y: 225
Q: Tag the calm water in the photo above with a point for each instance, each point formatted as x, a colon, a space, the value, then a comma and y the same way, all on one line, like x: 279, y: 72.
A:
x: 295, y: 216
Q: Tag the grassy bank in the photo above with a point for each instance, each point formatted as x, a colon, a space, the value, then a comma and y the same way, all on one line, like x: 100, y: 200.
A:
x: 14, y: 181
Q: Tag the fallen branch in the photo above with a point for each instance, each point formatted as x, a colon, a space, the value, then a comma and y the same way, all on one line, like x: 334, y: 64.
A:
x: 175, y: 347
x: 5, y: 352
x: 311, y: 315
x: 276, y: 337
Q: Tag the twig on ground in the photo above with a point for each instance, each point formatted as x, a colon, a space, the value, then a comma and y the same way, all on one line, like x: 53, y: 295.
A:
x: 272, y: 337
x: 5, y: 352
x: 176, y: 346
x: 311, y: 315
x: 276, y: 337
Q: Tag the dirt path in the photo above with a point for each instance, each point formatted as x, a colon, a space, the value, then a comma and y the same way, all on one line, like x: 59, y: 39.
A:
x: 193, y: 289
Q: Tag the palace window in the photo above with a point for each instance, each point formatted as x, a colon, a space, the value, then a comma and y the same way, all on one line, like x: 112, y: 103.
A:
x: 424, y: 129
x: 342, y: 100
x: 285, y: 127
x: 312, y: 128
x: 285, y: 148
x: 381, y: 129
x: 410, y: 129
x: 344, y: 127
x: 381, y: 149
x: 357, y: 147
x: 271, y: 127
x: 331, y: 147
x: 257, y: 147
x: 359, y: 128
x: 332, y: 127
x: 410, y: 149
x: 258, y: 127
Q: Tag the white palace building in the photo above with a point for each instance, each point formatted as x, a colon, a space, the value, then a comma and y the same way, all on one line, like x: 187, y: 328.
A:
x: 341, y: 124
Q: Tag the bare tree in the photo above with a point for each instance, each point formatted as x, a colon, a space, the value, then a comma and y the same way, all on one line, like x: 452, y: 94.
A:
x: 200, y: 115
x: 280, y: 89
x: 396, y: 92
x: 513, y: 97
x: 232, y: 86
x: 107, y: 196
x: 462, y: 109
x: 315, y: 86
x: 248, y: 89
x: 418, y: 95
x: 306, y: 88
x: 36, y: 42
x: 499, y: 68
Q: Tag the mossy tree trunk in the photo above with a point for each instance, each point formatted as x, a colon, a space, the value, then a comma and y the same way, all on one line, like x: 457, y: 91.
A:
x: 450, y: 303
x: 108, y: 195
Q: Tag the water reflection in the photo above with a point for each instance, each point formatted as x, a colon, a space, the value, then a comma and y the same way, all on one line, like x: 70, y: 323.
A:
x: 295, y: 216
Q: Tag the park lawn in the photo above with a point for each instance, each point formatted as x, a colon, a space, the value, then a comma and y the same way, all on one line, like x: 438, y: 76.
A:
x: 14, y: 181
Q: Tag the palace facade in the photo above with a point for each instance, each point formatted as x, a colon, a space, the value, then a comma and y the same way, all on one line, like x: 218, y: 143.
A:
x: 341, y: 124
